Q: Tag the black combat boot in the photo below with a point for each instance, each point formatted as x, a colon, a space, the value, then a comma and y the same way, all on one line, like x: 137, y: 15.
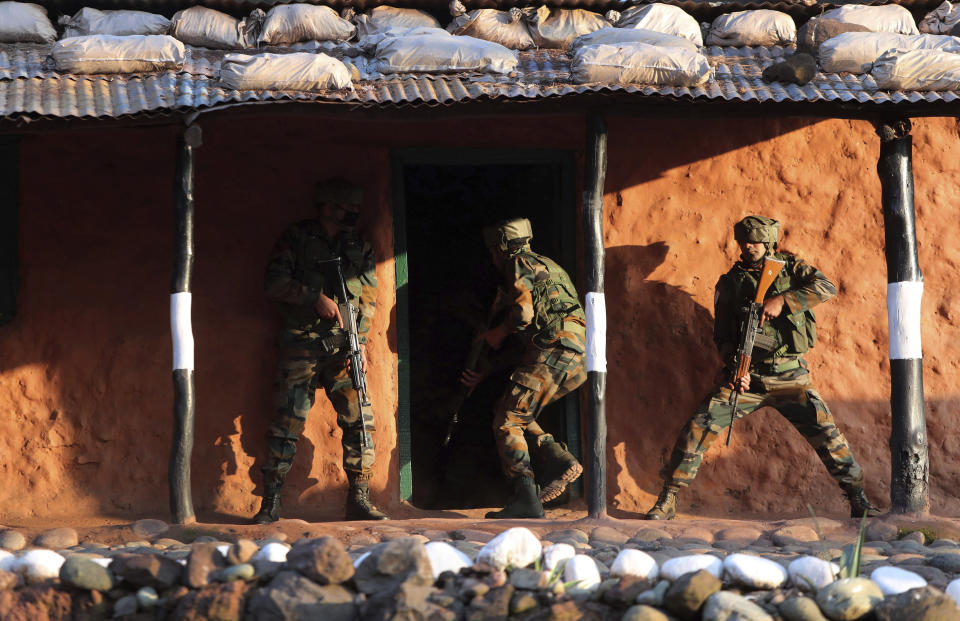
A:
x: 359, y: 505
x: 269, y: 510
x: 666, y: 507
x: 561, y: 468
x: 859, y: 504
x: 523, y: 504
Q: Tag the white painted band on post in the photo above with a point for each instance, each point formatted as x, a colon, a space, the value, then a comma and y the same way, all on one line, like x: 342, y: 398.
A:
x: 182, y: 331
x: 903, y: 313
x: 596, y: 332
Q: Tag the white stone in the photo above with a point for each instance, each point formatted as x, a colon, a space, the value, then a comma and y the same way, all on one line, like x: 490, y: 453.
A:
x: 726, y: 606
x: 557, y: 554
x: 361, y: 559
x: 894, y: 581
x: 38, y: 565
x: 953, y: 590
x: 582, y: 569
x: 444, y: 557
x: 147, y: 598
x: 809, y: 573
x: 273, y: 552
x: 514, y: 547
x: 635, y: 563
x: 6, y: 560
x: 676, y: 567
x: 102, y: 562
x: 754, y: 572
x: 223, y: 549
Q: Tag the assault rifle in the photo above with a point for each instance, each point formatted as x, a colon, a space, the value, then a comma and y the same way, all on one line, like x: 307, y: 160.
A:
x: 477, y: 351
x: 749, y: 331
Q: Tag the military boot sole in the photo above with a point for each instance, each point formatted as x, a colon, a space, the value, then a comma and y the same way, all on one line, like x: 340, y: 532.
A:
x: 264, y: 518
x: 352, y: 516
x: 660, y: 515
x: 554, y: 488
x: 503, y: 515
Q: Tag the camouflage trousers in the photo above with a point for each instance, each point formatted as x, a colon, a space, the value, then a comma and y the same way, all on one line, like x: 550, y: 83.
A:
x: 295, y: 387
x: 792, y: 394
x: 546, y: 376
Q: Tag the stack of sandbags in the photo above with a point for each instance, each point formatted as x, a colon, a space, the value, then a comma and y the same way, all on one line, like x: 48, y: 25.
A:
x: 113, y: 54
x: 300, y: 71
x: 383, y: 18
x: 212, y: 29
x: 293, y: 23
x: 941, y: 20
x: 811, y: 35
x: 639, y: 63
x: 504, y: 27
x: 22, y: 22
x: 88, y: 21
x: 762, y: 27
x: 856, y: 52
x: 557, y: 28
x: 884, y: 18
x: 616, y: 36
x: 917, y: 70
x: 368, y: 43
x: 658, y: 17
x: 442, y: 54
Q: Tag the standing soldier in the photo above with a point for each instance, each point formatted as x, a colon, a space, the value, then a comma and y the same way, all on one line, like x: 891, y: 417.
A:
x: 778, y: 374
x: 312, y: 344
x: 541, y: 305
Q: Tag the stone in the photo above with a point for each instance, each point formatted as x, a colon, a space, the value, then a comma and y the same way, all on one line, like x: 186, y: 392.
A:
x: 125, y: 606
x: 391, y: 564
x: 57, y: 538
x: 204, y: 559
x: 809, y: 573
x: 243, y: 571
x: 517, y: 547
x: 800, y: 609
x: 694, y: 534
x: 793, y: 535
x: 12, y: 540
x: 688, y: 593
x: 583, y: 570
x: 642, y: 612
x: 944, y: 543
x: 727, y: 606
x: 242, y: 551
x: 953, y: 590
x: 528, y: 579
x: 523, y: 602
x: 624, y: 592
x: 567, y: 535
x: 38, y: 565
x: 273, y: 552
x: 922, y: 604
x: 147, y: 598
x: 220, y: 602
x: 676, y: 567
x: 915, y: 536
x: 323, y: 560
x: 444, y: 557
x: 635, y: 563
x: 290, y: 595
x: 495, y: 604
x: 739, y: 534
x: 149, y: 528
x: 467, y: 534
x: 604, y: 535
x: 7, y: 560
x: 754, y: 572
x: 949, y: 563
x: 557, y: 554
x: 150, y: 570
x: 933, y: 576
x: 849, y: 598
x: 654, y: 597
x: 894, y: 581
x: 879, y: 530
x: 8, y: 580
x: 82, y: 573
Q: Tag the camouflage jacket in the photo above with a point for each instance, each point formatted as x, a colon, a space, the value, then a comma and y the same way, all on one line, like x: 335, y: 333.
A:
x: 541, y: 302
x: 794, y: 331
x: 295, y: 278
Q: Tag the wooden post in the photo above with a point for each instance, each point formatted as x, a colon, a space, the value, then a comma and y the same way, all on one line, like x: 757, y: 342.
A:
x: 184, y: 401
x: 908, y: 435
x: 594, y: 175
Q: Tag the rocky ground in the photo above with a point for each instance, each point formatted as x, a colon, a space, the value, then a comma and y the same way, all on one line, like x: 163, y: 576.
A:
x: 464, y: 569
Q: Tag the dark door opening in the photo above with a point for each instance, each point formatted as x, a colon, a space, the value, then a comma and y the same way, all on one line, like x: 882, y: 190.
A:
x: 450, y: 289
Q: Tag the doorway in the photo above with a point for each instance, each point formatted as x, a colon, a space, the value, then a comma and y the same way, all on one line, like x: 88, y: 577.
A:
x: 445, y: 285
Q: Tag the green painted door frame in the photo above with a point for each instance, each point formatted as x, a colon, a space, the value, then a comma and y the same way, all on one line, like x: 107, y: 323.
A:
x: 400, y: 158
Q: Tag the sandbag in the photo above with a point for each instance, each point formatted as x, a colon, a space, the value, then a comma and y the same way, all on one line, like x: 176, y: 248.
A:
x: 89, y: 21
x: 883, y: 18
x: 639, y: 63
x: 22, y: 22
x: 797, y: 68
x: 855, y: 52
x: 292, y: 23
x: 113, y: 54
x: 504, y: 27
x: 811, y: 35
x: 917, y: 70
x: 664, y: 18
x: 442, y: 54
x: 557, y: 28
x: 300, y: 71
x: 940, y: 20
x: 368, y: 43
x: 615, y: 36
x: 762, y: 27
x: 387, y: 18
x: 212, y: 29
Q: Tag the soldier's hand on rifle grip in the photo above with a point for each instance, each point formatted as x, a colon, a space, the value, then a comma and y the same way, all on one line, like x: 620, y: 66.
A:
x: 744, y: 384
x: 494, y: 336
x: 772, y: 307
x: 470, y: 378
x: 328, y: 309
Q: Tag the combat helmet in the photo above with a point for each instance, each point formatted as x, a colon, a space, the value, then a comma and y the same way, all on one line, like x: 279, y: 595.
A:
x: 756, y: 229
x: 508, y: 236
x: 342, y: 193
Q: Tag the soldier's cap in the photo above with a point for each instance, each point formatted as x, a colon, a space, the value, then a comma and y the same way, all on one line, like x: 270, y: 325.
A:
x: 757, y: 229
x: 339, y: 191
x: 502, y: 233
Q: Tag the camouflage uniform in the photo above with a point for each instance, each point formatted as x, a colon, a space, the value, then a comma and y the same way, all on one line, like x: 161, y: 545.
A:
x: 310, y: 346
x: 778, y: 378
x: 542, y: 305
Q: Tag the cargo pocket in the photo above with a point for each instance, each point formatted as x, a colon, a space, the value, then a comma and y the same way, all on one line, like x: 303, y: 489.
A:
x: 524, y: 389
x: 799, y: 332
x: 561, y: 358
x: 789, y: 379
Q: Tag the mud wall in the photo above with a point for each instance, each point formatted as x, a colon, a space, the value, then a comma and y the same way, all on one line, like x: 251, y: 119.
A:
x: 85, y: 373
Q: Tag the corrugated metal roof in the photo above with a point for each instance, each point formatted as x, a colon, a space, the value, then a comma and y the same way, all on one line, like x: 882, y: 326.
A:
x: 29, y: 90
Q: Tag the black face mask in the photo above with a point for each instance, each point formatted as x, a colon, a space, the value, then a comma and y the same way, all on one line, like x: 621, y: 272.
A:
x: 349, y: 220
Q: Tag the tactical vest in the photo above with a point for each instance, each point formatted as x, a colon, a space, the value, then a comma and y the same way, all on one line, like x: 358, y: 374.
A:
x: 794, y: 333
x: 555, y: 299
x: 311, y: 250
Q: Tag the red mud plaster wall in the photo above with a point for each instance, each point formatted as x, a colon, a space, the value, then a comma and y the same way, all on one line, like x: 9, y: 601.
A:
x: 669, y: 214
